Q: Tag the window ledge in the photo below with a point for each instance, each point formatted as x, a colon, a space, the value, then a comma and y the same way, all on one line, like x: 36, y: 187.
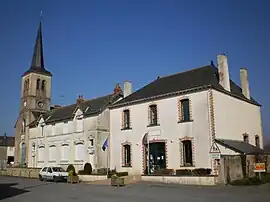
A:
x: 51, y: 161
x: 153, y: 125
x: 126, y: 128
x: 185, y: 121
x: 64, y: 161
x: 78, y: 160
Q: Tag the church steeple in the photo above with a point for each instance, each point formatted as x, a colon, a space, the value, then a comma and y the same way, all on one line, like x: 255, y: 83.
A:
x: 37, y: 65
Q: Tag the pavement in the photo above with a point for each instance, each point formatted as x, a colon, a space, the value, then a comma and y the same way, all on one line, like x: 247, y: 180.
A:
x: 32, y: 190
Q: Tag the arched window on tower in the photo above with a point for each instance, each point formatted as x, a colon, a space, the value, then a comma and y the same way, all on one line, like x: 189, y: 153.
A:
x: 43, y: 85
x: 26, y: 85
x: 38, y: 84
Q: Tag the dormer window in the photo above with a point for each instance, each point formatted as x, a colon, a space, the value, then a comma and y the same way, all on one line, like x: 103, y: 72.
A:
x: 153, y: 116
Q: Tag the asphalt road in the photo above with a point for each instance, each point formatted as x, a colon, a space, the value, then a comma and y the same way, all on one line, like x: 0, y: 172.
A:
x: 29, y: 190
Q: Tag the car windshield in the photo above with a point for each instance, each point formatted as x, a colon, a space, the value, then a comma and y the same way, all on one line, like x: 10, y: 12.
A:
x: 58, y: 169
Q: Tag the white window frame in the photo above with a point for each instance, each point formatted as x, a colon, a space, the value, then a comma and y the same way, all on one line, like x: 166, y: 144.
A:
x: 79, y: 151
x: 65, y: 152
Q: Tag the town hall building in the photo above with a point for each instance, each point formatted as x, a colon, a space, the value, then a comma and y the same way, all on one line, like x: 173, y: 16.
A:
x: 175, y: 120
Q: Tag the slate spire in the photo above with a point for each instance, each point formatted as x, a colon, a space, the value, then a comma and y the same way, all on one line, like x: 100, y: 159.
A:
x: 37, y: 64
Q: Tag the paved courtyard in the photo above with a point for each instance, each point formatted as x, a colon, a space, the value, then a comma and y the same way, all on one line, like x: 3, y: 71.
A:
x: 29, y: 190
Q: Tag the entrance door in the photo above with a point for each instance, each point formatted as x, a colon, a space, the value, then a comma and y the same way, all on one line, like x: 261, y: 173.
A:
x: 157, y: 156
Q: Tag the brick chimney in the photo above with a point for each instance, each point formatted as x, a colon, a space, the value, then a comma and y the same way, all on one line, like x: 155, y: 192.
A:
x: 223, y: 71
x: 117, y: 89
x: 80, y: 100
x: 244, y: 82
x: 127, y: 88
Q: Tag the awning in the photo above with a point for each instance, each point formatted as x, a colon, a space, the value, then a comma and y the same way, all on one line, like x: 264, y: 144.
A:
x: 239, y: 146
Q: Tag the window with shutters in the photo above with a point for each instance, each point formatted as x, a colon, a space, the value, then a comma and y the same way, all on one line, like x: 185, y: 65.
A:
x: 65, y: 152
x: 79, y: 151
x: 41, y: 153
x: 52, y: 153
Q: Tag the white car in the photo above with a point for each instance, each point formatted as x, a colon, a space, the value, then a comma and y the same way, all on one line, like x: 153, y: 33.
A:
x: 53, y: 173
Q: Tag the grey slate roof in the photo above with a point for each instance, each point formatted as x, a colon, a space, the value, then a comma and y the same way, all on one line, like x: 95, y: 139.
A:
x: 206, y: 76
x: 89, y: 107
x: 239, y: 146
x: 37, y: 65
x: 7, y: 141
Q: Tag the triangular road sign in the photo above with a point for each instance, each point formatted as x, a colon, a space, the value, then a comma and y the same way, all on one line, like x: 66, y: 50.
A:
x: 214, y: 148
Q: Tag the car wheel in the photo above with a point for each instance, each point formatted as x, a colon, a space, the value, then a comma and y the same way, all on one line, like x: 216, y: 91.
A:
x: 54, y: 179
x: 40, y: 178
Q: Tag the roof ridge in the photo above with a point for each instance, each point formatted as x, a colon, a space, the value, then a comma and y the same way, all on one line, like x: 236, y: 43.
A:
x: 189, y: 70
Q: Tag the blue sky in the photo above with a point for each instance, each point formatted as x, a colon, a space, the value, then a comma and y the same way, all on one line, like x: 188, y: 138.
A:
x: 90, y: 46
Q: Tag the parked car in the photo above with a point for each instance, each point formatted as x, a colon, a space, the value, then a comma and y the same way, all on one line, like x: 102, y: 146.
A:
x: 53, y: 173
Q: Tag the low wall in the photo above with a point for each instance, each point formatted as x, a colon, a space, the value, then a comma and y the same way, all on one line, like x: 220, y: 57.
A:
x: 91, y: 178
x: 21, y: 172
x: 187, y: 180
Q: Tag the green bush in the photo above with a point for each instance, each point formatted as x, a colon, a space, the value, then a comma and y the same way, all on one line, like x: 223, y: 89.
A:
x: 201, y: 171
x: 193, y: 172
x: 71, y: 168
x: 265, y: 178
x: 87, y: 169
x: 164, y: 172
x: 118, y: 174
x: 81, y: 172
x: 183, y: 172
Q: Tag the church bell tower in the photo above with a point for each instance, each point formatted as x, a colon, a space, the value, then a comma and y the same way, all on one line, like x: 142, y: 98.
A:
x: 35, y: 99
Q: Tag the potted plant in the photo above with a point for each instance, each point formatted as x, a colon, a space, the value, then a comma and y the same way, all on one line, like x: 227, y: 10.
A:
x: 72, y: 175
x: 117, y: 181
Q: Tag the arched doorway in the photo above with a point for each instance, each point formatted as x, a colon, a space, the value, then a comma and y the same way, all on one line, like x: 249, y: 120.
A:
x: 156, y: 157
x: 23, y: 154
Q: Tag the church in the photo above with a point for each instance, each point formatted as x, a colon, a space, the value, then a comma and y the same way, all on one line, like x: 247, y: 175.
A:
x: 172, y: 122
x: 59, y: 135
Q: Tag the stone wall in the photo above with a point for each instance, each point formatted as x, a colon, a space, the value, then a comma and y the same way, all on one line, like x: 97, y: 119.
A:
x: 21, y: 172
x: 187, y: 180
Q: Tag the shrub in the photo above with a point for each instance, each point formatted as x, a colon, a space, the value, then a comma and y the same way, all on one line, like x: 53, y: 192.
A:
x: 247, y: 181
x: 265, y: 178
x: 118, y: 174
x: 71, y: 170
x: 202, y: 171
x: 164, y: 172
x: 87, y: 169
x: 81, y: 172
x: 183, y: 172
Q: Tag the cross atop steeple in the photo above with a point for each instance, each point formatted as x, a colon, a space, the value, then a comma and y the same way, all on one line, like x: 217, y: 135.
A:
x: 37, y: 64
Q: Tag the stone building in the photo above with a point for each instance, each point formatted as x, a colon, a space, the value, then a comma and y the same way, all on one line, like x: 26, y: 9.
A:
x: 35, y: 99
x: 73, y: 134
x: 6, y: 150
x: 178, y: 118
